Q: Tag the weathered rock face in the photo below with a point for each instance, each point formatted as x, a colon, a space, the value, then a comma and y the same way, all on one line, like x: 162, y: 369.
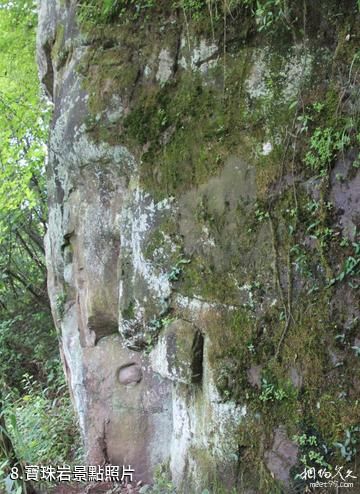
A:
x: 179, y: 249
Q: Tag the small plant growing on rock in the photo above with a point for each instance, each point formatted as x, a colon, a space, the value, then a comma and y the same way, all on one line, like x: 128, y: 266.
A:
x: 324, y: 144
x: 269, y: 392
x: 350, y: 267
x: 177, y: 270
x: 261, y: 215
x: 162, y: 484
x: 313, y: 452
x: 154, y: 328
x: 106, y: 11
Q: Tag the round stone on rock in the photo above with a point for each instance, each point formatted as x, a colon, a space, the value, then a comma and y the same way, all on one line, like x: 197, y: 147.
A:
x: 130, y: 374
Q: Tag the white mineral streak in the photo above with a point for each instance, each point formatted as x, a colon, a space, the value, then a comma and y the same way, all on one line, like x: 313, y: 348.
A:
x: 182, y: 434
x: 197, y: 306
x: 201, y: 54
x: 201, y: 58
x: 208, y: 425
x: 294, y: 72
x: 256, y: 83
x: 165, y: 66
x: 136, y: 223
x: 159, y: 360
x: 207, y: 238
x: 73, y: 354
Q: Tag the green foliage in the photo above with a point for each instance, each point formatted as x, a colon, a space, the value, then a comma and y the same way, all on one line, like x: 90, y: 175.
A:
x: 33, y: 398
x: 304, y: 440
x: 23, y: 132
x: 324, y: 144
x: 313, y: 451
x: 350, y: 267
x: 261, y: 215
x: 8, y: 459
x: 41, y: 422
x: 27, y: 344
x: 107, y: 11
x: 177, y: 270
x: 155, y: 326
x: 23, y: 127
x: 193, y: 8
x: 162, y: 484
x: 25, y: 327
x: 269, y: 13
x: 39, y: 426
x: 271, y: 392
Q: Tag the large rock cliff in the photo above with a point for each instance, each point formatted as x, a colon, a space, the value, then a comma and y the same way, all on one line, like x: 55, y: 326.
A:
x: 202, y: 250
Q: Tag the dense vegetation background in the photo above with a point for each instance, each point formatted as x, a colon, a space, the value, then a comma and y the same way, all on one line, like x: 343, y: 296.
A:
x: 35, y: 408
